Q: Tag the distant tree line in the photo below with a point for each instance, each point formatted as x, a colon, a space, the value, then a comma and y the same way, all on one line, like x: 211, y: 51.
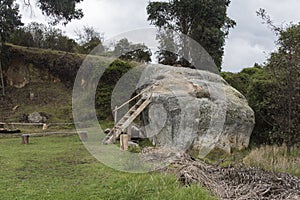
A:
x: 88, y: 41
x: 41, y: 36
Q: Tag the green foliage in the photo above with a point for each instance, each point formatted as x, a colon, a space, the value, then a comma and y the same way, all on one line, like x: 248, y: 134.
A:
x: 9, y: 18
x: 204, y: 21
x: 284, y: 70
x: 168, y: 47
x: 134, y: 149
x: 127, y: 51
x: 284, y: 73
x: 106, y: 85
x: 47, y: 37
x: 61, y: 168
x: 88, y: 40
x: 21, y: 37
x: 254, y: 84
x: 87, y: 47
x: 42, y: 36
x: 60, y: 10
x: 274, y: 91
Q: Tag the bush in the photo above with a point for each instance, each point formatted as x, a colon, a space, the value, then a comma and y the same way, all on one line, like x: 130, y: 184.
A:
x: 106, y: 85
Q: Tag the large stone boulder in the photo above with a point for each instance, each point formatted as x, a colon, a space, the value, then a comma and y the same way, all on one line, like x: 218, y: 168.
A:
x: 194, y: 110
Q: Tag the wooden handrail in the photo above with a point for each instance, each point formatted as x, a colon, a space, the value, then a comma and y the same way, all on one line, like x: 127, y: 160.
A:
x: 127, y: 102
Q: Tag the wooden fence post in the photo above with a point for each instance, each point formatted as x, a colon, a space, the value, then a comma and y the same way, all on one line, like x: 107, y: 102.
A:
x: 25, y: 139
x: 45, y: 127
x: 83, y: 135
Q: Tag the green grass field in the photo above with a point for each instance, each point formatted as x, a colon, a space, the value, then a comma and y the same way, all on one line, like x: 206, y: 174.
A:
x: 59, y: 167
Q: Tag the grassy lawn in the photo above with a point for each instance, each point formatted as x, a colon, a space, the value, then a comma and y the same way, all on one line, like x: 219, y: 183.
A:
x: 59, y: 167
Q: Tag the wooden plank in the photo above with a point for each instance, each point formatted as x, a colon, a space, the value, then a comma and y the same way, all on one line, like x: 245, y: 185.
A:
x: 37, y: 124
x: 51, y: 133
x: 127, y: 102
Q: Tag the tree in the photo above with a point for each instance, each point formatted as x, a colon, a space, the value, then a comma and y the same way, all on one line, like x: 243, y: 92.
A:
x: 88, y: 40
x: 167, y: 53
x: 21, y: 37
x: 9, y: 20
x: 38, y: 32
x: 54, y: 39
x: 284, y: 69
x: 205, y: 21
x: 128, y: 51
x: 60, y: 10
x: 42, y: 36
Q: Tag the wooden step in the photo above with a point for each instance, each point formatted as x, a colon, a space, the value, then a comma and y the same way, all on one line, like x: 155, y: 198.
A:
x: 126, y: 120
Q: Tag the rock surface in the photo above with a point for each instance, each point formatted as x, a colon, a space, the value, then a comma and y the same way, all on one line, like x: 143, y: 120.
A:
x: 194, y: 110
x: 20, y: 73
x: 38, y: 117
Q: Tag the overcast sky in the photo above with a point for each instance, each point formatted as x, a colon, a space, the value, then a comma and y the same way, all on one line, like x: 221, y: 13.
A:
x: 249, y: 42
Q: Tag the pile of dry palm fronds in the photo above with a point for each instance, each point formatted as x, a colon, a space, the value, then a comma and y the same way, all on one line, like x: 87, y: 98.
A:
x: 235, y: 183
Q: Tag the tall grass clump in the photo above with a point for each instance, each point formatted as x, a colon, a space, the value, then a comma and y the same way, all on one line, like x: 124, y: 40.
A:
x: 275, y: 158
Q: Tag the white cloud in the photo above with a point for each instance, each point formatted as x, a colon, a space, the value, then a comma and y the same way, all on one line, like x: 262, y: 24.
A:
x: 251, y: 41
x: 111, y: 17
x: 243, y: 54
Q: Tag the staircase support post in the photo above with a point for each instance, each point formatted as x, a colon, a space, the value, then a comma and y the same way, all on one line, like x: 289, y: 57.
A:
x: 124, y: 142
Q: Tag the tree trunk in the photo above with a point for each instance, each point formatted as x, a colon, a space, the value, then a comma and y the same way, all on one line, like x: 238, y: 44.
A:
x: 1, y: 72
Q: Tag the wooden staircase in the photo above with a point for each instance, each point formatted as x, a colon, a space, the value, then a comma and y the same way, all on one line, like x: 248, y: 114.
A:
x: 127, y: 119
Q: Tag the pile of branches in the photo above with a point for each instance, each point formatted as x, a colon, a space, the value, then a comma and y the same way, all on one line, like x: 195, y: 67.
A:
x: 232, y: 182
x: 237, y: 183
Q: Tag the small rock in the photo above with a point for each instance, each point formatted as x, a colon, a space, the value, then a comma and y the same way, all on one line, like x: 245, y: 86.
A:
x: 132, y: 144
x: 38, y: 117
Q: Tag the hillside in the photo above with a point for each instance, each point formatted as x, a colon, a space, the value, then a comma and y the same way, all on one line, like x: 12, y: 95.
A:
x: 48, y: 76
